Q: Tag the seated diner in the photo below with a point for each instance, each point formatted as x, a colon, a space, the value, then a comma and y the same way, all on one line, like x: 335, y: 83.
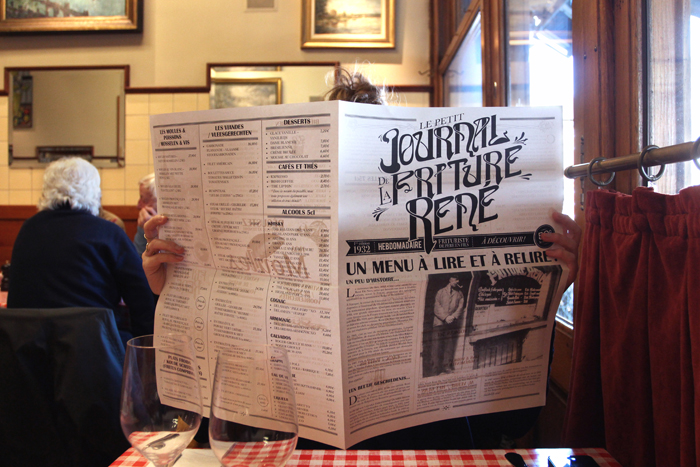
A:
x: 67, y: 256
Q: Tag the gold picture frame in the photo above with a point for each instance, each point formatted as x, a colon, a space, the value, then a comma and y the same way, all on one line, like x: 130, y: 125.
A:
x: 243, y: 92
x: 31, y: 16
x: 369, y: 24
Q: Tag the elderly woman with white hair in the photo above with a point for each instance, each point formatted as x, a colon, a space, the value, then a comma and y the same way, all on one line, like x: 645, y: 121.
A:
x: 67, y: 256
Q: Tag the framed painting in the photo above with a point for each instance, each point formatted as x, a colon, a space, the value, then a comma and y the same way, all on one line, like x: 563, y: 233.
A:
x: 42, y: 16
x: 348, y: 24
x: 234, y: 92
x: 22, y: 97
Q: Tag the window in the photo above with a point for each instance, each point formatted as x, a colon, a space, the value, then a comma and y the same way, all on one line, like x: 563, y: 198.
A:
x: 463, y: 78
x: 674, y: 84
x: 541, y: 73
x: 527, y: 59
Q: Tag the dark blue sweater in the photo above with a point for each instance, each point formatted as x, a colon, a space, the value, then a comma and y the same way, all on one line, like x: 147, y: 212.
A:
x: 67, y: 258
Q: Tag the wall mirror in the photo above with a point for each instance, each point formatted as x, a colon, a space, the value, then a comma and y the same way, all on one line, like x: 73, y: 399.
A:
x: 57, y: 112
x: 249, y: 84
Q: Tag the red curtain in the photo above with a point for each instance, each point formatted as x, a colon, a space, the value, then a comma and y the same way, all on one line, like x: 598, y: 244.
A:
x: 635, y: 386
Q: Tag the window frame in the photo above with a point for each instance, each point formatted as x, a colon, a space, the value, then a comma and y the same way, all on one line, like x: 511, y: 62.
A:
x: 609, y: 113
x: 668, y: 19
x: 446, y: 40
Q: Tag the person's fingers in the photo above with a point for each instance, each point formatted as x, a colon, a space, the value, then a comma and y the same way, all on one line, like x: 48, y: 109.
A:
x: 562, y: 240
x: 571, y: 236
x: 564, y: 256
x: 571, y: 228
x: 153, y: 259
x: 150, y: 228
x: 157, y: 254
x: 566, y: 243
x: 143, y: 217
x: 147, y: 212
x: 157, y: 245
x: 568, y: 258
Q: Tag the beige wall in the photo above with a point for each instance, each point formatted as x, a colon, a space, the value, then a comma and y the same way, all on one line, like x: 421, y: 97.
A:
x: 85, y: 115
x: 119, y: 186
x: 179, y: 39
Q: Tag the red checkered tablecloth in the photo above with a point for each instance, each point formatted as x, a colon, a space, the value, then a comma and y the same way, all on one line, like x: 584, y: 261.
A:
x: 318, y: 458
x: 263, y: 453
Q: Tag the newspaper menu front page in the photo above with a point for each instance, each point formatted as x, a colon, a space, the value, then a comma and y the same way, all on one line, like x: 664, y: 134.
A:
x: 394, y: 252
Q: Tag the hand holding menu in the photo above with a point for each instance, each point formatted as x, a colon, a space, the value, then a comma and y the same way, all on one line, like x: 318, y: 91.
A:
x: 394, y: 252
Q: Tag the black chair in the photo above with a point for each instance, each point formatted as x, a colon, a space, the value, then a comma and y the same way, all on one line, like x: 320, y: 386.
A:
x: 59, y: 398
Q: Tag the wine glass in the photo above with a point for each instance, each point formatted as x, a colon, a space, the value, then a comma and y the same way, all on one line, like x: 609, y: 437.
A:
x: 253, y: 419
x: 161, y: 405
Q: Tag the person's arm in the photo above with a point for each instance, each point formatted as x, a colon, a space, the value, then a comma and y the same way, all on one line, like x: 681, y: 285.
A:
x: 454, y: 316
x: 133, y: 287
x: 460, y: 308
x: 566, y: 244
x: 438, y: 308
x: 139, y: 240
x: 158, y: 253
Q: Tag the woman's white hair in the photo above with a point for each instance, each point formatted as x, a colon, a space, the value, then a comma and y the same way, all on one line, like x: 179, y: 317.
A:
x: 73, y: 181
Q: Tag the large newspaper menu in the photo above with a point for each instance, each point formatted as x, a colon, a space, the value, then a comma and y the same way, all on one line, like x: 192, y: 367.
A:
x: 394, y: 252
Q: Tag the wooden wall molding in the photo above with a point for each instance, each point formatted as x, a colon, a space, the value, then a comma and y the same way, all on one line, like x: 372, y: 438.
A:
x: 12, y: 218
x: 6, y: 89
x: 128, y: 89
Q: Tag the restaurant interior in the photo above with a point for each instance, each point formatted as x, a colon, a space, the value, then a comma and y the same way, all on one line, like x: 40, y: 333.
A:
x: 625, y: 371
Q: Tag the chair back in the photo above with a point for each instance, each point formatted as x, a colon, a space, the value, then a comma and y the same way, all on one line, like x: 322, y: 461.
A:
x: 59, y: 398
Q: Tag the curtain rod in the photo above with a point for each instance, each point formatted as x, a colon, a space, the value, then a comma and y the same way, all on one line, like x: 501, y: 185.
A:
x: 650, y: 156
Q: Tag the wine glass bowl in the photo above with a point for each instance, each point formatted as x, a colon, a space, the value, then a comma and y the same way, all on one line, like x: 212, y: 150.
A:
x: 253, y: 419
x: 161, y: 406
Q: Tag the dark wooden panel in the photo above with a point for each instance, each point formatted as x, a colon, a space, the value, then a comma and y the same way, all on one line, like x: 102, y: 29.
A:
x: 11, y: 220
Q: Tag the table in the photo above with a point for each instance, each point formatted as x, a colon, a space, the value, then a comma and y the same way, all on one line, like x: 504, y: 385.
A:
x: 319, y: 458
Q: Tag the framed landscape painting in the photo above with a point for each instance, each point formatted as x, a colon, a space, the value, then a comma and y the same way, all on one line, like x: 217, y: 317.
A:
x: 348, y: 23
x: 44, y: 16
x: 231, y: 92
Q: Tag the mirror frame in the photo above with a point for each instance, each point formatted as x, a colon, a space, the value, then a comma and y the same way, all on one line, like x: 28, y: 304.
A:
x: 271, y: 76
x: 5, y: 91
x: 394, y: 88
x: 269, y: 64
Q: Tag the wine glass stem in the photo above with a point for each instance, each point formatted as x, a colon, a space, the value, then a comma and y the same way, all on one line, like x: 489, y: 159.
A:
x: 171, y: 464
